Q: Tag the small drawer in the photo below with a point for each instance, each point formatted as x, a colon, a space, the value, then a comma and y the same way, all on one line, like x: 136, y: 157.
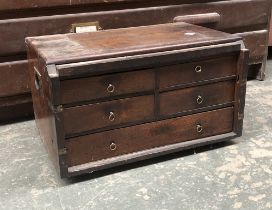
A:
x: 94, y: 116
x: 14, y: 78
x: 187, y: 73
x: 91, y: 88
x: 187, y: 99
x: 123, y: 141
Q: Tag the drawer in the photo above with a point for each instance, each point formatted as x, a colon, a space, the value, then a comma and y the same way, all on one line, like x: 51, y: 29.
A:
x: 14, y: 78
x: 91, y: 88
x: 94, y: 116
x: 186, y: 73
x: 14, y: 31
x: 16, y: 108
x: 122, y: 141
x: 256, y: 42
x: 34, y: 4
x: 187, y: 99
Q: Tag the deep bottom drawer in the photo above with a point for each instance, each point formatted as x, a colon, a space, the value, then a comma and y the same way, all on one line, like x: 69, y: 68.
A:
x: 122, y: 141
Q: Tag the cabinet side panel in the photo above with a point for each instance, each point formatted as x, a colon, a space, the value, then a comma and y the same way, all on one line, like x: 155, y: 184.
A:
x: 44, y: 115
x: 240, y: 92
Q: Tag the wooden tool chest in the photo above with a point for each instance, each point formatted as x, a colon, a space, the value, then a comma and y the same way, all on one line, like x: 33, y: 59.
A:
x: 20, y: 19
x: 107, y: 98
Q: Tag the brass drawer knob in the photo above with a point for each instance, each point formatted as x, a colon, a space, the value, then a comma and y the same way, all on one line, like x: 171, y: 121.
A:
x: 198, y: 69
x: 199, y: 99
x: 113, y: 146
x: 112, y: 116
x: 199, y: 128
x: 111, y: 88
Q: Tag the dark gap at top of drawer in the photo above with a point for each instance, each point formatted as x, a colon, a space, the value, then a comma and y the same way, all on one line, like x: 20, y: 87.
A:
x: 19, y: 57
x: 186, y: 73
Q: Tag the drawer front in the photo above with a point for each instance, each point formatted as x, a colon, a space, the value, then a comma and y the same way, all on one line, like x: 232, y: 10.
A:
x: 13, y: 31
x: 14, y: 78
x: 146, y: 136
x: 180, y: 74
x: 196, y: 97
x: 34, y: 4
x: 95, y: 116
x: 106, y: 86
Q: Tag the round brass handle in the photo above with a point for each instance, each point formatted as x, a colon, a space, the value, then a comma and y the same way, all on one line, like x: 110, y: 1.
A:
x: 112, y: 116
x: 113, y: 146
x: 199, y: 99
x: 198, y: 69
x: 199, y: 128
x: 111, y: 88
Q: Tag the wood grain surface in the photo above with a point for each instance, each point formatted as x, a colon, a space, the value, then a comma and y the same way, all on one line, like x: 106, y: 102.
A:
x: 146, y: 136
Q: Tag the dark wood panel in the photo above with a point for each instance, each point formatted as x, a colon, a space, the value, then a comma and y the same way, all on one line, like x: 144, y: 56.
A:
x: 15, y: 108
x: 47, y: 118
x: 13, y: 31
x: 146, y: 136
x: 196, y: 97
x: 56, y: 8
x: 93, y: 116
x: 14, y: 78
x: 36, y: 4
x: 22, y: 4
x: 256, y: 42
x: 240, y: 92
x: 197, y: 71
x: 106, y: 86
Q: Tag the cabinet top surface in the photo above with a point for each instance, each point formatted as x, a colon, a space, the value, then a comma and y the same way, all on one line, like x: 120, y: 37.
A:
x: 70, y: 48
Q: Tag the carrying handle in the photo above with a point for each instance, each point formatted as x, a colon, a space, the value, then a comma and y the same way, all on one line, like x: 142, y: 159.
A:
x: 37, y: 79
x: 199, y: 19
